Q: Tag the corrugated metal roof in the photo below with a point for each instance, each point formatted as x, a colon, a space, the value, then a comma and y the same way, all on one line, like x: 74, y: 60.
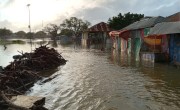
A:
x: 124, y: 34
x: 144, y: 23
x: 165, y: 28
x: 100, y: 27
x: 173, y: 18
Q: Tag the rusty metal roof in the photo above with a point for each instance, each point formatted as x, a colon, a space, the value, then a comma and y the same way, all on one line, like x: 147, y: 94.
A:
x: 121, y: 33
x: 173, y: 18
x: 100, y: 27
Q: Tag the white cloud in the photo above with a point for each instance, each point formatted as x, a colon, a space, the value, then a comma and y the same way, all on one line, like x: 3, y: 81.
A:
x: 15, y: 12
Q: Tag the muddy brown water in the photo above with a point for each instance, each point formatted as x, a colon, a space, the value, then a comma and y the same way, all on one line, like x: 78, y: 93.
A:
x: 97, y: 80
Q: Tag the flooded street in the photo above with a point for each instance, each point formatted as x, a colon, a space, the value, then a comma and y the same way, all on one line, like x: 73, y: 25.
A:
x: 97, y: 80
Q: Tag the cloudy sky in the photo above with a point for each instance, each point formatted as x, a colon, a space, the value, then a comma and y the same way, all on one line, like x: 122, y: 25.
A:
x: 14, y: 14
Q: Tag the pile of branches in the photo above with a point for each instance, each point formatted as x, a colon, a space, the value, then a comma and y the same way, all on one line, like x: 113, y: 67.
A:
x: 43, y: 58
x: 22, y: 73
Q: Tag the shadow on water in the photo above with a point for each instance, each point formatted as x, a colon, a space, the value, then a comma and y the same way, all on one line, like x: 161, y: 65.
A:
x: 48, y: 73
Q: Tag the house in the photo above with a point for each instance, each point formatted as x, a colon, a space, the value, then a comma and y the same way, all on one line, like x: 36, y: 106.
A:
x: 172, y: 31
x: 132, y: 36
x: 120, y: 39
x: 97, y: 35
x: 64, y: 39
x: 168, y: 32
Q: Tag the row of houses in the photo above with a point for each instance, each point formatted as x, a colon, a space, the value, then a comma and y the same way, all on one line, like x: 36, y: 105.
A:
x: 155, y: 39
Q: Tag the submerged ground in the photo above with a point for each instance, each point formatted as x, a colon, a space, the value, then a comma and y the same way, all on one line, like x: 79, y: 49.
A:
x: 98, y: 80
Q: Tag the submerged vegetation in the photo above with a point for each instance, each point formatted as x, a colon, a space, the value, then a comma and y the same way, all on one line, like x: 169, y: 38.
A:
x: 6, y: 42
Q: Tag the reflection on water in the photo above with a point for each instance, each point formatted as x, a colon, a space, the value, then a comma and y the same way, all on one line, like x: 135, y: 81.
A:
x: 123, y: 59
x: 6, y: 55
x: 98, y: 80
x: 12, y: 49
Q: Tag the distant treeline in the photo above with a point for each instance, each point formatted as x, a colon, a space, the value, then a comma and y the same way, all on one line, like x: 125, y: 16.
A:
x: 7, y: 33
x: 120, y: 21
x: 72, y: 27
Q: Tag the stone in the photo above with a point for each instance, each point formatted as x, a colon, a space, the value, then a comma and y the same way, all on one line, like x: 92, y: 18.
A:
x: 30, y: 102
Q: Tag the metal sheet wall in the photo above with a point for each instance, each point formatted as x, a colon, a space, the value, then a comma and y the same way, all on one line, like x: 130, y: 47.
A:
x: 135, y: 43
x: 175, y: 48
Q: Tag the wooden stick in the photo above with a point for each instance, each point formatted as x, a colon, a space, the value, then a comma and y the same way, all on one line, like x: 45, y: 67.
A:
x: 25, y: 85
x: 14, y: 90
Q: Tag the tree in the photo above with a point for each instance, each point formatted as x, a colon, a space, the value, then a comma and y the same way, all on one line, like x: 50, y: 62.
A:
x: 5, y: 32
x: 66, y: 32
x: 40, y: 34
x: 30, y: 35
x: 52, y: 29
x: 21, y: 34
x: 120, y: 21
x: 75, y: 25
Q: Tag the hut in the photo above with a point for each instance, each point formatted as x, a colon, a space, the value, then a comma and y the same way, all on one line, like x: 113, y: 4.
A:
x: 120, y: 39
x: 133, y: 35
x: 64, y: 39
x: 168, y: 32
x: 172, y: 31
x: 97, y: 35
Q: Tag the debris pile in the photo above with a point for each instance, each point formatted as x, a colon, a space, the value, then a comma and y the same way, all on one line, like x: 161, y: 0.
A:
x: 43, y: 58
x: 22, y: 73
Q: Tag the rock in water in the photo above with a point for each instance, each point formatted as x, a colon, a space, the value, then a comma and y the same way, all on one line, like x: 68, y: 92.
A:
x: 30, y: 102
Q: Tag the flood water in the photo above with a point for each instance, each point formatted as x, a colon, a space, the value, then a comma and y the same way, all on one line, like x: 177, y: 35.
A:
x: 98, y: 80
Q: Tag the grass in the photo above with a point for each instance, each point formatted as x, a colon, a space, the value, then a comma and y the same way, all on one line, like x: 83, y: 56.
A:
x: 18, y: 42
x: 7, y: 42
